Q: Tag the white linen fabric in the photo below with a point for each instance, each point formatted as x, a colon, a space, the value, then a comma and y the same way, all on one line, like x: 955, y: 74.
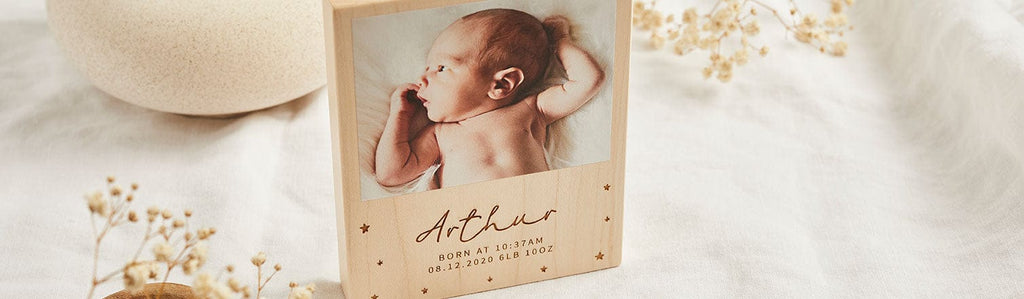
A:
x: 897, y: 171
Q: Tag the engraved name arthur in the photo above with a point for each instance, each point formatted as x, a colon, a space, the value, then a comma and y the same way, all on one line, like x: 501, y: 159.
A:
x: 470, y: 228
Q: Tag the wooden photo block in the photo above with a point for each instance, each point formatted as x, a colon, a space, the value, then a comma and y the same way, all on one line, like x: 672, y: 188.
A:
x: 477, y: 144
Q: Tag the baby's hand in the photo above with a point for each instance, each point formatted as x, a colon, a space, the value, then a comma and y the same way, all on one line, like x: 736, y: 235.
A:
x: 404, y: 100
x: 558, y: 26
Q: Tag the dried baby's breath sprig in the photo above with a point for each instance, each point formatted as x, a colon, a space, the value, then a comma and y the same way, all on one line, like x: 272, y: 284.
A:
x: 735, y: 22
x: 305, y: 292
x: 208, y: 286
x: 205, y: 233
x: 175, y: 249
x: 162, y: 252
x: 196, y: 258
x: 174, y: 244
x: 112, y: 210
x: 98, y: 204
x: 137, y: 273
x: 258, y: 260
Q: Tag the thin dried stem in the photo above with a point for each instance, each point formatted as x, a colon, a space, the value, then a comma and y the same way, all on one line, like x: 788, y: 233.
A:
x: 96, y: 251
x: 259, y: 278
x: 268, y: 279
x: 145, y: 239
x: 776, y: 13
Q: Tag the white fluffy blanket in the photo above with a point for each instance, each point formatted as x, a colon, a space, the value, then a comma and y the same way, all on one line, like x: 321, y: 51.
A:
x: 897, y: 171
x: 391, y: 50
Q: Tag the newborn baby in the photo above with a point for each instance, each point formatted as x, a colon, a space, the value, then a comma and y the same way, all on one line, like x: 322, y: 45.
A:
x: 484, y: 122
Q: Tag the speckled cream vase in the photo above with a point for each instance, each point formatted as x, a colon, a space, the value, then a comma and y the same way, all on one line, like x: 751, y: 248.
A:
x: 195, y: 57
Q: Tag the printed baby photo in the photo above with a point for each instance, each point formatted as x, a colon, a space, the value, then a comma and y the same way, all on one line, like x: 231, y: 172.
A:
x: 481, y: 91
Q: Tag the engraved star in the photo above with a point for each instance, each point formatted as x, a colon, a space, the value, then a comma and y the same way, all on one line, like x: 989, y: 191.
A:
x: 374, y: 296
x: 365, y: 228
x: 380, y: 262
x: 489, y: 279
x: 606, y: 219
x: 424, y: 290
x: 544, y: 269
x: 606, y: 187
x: 599, y: 255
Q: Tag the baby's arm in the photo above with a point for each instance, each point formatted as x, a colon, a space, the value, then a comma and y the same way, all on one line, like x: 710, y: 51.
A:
x: 584, y: 75
x: 400, y: 157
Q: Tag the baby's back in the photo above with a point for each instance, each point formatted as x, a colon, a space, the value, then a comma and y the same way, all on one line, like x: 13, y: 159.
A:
x: 504, y: 142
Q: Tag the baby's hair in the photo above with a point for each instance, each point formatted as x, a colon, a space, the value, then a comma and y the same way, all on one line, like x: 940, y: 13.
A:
x: 513, y: 39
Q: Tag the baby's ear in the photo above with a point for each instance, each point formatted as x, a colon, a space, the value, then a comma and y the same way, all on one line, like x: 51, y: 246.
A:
x: 505, y: 82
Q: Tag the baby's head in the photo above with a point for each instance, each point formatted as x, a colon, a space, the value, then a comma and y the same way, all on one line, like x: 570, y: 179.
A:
x: 483, y: 61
